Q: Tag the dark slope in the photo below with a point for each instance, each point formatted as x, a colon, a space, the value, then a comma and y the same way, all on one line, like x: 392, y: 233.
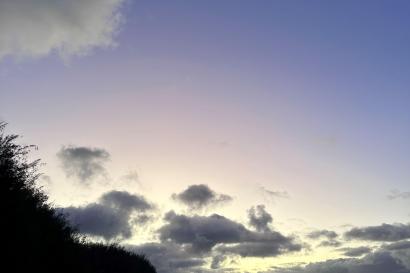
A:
x: 35, y: 238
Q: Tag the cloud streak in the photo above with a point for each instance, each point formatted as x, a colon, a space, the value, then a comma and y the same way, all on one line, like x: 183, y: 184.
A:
x: 378, y: 262
x: 356, y: 251
x: 384, y: 232
x: 274, y: 194
x: 398, y: 195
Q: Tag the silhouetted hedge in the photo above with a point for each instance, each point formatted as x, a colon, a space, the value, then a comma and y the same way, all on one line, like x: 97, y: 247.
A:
x: 36, y: 238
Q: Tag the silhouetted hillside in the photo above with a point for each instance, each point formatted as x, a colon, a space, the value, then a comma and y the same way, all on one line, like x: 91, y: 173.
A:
x: 37, y: 238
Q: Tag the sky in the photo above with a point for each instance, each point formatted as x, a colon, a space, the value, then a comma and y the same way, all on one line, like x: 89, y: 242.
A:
x: 216, y: 136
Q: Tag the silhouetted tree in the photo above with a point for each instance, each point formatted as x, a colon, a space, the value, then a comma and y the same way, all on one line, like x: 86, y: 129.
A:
x: 37, y: 237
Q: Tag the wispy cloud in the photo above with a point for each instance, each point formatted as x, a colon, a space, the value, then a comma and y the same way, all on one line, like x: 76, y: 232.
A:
x: 355, y: 251
x: 274, y: 195
x: 378, y: 262
x: 395, y: 194
x: 384, y: 232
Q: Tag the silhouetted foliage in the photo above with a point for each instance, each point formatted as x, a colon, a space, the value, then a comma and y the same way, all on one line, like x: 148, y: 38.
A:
x: 38, y: 238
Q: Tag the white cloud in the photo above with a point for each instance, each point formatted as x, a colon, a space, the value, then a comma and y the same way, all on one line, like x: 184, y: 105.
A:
x: 35, y: 28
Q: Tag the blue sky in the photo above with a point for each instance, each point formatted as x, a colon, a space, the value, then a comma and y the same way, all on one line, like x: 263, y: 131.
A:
x: 307, y: 97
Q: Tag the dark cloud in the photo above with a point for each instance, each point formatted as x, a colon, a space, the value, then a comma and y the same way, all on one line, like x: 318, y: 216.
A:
x: 398, y: 195
x: 355, y: 251
x: 330, y: 243
x: 329, y: 235
x: 324, y: 233
x: 398, y: 245
x: 168, y: 257
x: 378, y: 262
x: 83, y: 163
x: 384, y: 232
x: 400, y: 251
x: 123, y: 200
x: 199, y: 196
x: 273, y: 246
x: 259, y: 218
x: 201, y: 233
x: 115, y: 215
x: 99, y: 220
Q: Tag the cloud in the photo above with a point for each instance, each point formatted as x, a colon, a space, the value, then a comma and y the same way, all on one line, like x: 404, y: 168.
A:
x: 131, y: 177
x: 400, y: 250
x: 274, y: 194
x: 122, y: 200
x: 273, y: 246
x: 259, y: 218
x: 83, y: 163
x: 330, y: 243
x: 114, y: 215
x: 67, y: 27
x: 398, y: 245
x: 384, y: 232
x: 378, y: 262
x: 398, y: 195
x: 201, y: 234
x: 355, y: 251
x: 99, y: 220
x: 217, y: 261
x: 168, y: 257
x: 200, y: 196
x: 389, y: 258
x: 329, y: 234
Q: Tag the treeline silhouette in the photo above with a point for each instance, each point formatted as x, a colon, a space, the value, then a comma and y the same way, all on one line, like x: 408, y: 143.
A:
x: 37, y: 237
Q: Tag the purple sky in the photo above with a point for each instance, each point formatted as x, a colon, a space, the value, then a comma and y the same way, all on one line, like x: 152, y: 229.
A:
x: 305, y: 98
